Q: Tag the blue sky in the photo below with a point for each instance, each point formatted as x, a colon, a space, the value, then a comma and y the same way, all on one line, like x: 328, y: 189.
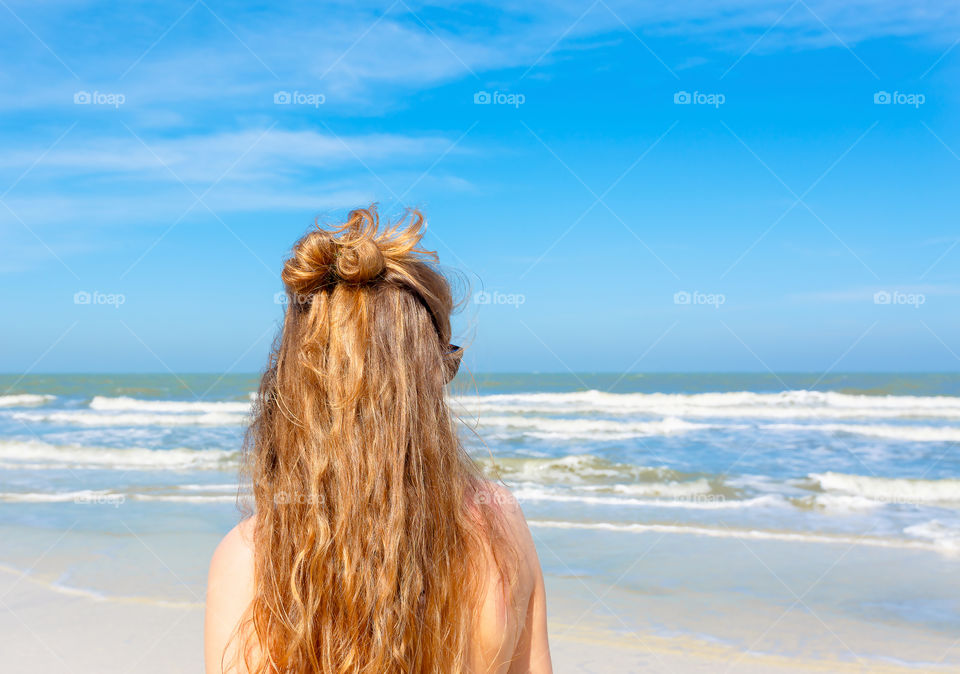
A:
x: 150, y: 160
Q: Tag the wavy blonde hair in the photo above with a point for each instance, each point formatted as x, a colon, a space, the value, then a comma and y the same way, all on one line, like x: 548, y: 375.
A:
x: 368, y: 554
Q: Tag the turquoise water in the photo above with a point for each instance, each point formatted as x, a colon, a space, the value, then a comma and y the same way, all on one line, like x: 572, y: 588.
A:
x: 861, y: 454
x: 798, y: 465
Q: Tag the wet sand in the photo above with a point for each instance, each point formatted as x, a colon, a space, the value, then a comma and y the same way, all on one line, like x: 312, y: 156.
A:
x: 50, y: 630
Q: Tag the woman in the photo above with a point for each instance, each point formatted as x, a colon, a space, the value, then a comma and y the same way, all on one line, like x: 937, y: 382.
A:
x: 376, y: 545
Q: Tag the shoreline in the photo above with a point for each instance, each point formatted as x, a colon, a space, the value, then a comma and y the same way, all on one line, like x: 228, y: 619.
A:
x: 689, y: 655
x: 47, y: 629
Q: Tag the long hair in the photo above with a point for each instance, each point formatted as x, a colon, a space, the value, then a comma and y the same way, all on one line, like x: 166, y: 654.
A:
x: 368, y: 556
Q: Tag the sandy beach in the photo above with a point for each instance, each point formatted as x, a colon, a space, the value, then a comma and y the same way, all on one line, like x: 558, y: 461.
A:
x: 53, y: 631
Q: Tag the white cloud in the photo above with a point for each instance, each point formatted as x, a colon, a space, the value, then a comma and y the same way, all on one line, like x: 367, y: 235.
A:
x: 261, y: 154
x: 354, y: 54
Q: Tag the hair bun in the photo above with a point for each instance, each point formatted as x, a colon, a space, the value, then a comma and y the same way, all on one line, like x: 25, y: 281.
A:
x: 355, y: 252
x: 359, y: 260
x: 309, y: 266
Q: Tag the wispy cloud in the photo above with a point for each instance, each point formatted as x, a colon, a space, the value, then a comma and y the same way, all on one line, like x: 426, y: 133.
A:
x: 251, y: 154
x: 122, y: 180
x: 360, y: 53
x: 199, y: 83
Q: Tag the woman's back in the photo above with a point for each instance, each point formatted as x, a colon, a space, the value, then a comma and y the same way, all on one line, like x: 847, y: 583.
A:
x: 511, y: 628
x: 377, y: 545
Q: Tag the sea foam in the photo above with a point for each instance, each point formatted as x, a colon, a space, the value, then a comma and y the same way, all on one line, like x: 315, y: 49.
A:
x: 750, y: 534
x: 24, y: 400
x: 890, y: 490
x: 41, y: 455
x: 94, y: 418
x: 743, y: 404
x: 124, y: 404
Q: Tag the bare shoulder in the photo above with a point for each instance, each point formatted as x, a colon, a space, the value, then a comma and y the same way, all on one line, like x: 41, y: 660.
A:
x: 523, y: 646
x: 512, y: 525
x: 230, y: 587
x: 499, y: 497
x: 235, y: 550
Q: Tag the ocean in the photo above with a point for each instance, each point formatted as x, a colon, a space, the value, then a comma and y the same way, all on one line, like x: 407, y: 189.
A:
x: 660, y: 503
